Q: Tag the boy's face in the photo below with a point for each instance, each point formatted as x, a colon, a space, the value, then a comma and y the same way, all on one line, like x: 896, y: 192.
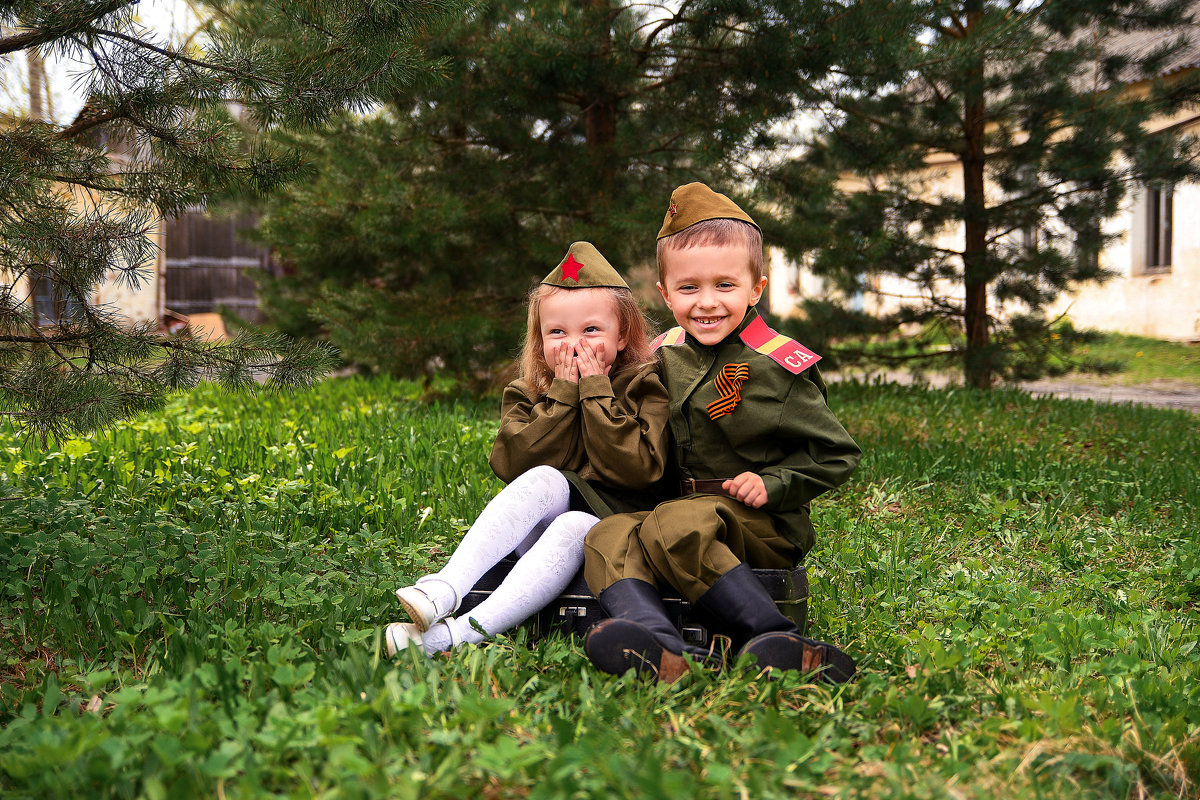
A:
x: 709, y: 289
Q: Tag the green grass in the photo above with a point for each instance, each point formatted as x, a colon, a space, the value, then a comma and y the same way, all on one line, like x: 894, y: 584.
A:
x: 1138, y: 360
x: 1146, y: 360
x: 190, y: 607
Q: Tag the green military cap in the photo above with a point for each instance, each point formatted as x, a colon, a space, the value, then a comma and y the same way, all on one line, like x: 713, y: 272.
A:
x: 695, y: 202
x: 584, y: 268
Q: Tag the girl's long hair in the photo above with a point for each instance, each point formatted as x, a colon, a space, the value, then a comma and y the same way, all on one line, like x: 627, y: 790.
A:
x: 633, y: 326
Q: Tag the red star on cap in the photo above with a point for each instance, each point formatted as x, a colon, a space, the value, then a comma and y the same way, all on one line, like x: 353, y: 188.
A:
x: 671, y: 209
x: 571, y: 267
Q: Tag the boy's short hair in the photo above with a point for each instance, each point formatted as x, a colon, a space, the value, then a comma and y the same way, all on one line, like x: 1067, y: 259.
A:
x: 720, y: 232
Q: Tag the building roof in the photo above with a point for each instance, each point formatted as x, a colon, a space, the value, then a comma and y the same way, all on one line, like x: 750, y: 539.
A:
x: 1139, y: 43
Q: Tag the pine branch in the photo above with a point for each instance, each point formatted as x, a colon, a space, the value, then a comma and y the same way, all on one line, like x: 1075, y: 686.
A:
x: 187, y: 60
x: 84, y: 124
x: 38, y: 37
x: 659, y: 27
x: 69, y: 219
x: 55, y: 339
x: 295, y: 17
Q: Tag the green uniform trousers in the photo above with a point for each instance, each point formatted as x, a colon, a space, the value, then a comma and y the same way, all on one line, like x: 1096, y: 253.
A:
x: 686, y: 543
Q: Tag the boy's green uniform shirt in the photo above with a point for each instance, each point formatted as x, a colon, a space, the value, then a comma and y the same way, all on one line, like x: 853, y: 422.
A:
x: 782, y: 429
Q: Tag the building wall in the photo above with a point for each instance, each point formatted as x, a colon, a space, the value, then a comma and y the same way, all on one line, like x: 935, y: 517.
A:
x: 1164, y: 305
x: 143, y: 303
x: 140, y: 304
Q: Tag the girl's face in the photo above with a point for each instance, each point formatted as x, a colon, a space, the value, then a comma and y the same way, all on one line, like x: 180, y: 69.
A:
x: 574, y: 315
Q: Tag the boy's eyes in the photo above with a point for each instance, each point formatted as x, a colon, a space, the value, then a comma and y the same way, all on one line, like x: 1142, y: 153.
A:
x: 691, y: 287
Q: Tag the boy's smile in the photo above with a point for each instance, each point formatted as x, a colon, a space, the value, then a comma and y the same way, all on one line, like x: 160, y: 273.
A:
x: 709, y: 289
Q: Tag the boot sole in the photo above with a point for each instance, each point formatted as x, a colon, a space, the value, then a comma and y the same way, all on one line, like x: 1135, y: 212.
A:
x: 417, y: 614
x: 616, y: 646
x: 787, y: 651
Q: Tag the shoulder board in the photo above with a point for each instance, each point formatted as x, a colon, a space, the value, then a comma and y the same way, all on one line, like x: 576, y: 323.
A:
x: 671, y: 337
x: 788, y: 353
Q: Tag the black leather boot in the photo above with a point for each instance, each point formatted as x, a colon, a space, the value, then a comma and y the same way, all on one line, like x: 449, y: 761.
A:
x: 740, y: 601
x: 639, y: 635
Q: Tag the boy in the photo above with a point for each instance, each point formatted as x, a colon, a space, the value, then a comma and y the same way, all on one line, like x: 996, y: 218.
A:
x: 754, y: 443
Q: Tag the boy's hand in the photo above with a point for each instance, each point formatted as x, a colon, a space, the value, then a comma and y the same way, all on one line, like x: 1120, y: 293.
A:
x: 748, y: 488
x: 565, y: 366
x: 591, y: 361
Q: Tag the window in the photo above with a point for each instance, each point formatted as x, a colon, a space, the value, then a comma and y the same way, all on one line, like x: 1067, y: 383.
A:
x: 51, y: 306
x: 1088, y: 244
x: 1031, y: 238
x: 1159, y: 212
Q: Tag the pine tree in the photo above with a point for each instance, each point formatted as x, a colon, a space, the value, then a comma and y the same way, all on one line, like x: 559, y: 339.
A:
x: 1028, y: 108
x: 560, y: 121
x: 68, y: 217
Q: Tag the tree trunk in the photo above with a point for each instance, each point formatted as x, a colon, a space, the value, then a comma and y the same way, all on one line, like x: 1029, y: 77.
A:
x: 600, y: 126
x: 977, y: 366
x: 600, y: 113
x: 37, y: 84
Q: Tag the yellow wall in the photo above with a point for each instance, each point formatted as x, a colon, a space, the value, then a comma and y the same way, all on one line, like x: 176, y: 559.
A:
x: 1165, y: 305
x: 141, y: 304
x: 145, y: 303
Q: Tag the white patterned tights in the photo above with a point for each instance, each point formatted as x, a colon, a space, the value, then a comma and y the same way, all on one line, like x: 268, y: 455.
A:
x: 530, y: 516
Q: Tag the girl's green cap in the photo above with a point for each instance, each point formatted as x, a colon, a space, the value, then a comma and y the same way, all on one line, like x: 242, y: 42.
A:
x: 584, y: 268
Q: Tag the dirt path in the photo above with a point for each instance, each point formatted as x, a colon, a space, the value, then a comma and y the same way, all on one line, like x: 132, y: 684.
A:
x: 1162, y: 394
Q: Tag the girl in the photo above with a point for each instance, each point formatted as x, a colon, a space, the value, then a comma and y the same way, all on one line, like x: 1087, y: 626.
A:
x: 583, y: 435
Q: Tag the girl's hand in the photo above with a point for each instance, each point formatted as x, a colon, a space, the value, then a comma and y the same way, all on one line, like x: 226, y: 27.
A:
x: 591, y: 360
x: 565, y: 364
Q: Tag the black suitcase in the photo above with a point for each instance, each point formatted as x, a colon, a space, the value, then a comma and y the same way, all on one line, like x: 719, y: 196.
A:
x: 576, y: 610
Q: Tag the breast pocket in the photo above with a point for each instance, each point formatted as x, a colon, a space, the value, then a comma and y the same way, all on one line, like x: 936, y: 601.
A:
x: 747, y: 418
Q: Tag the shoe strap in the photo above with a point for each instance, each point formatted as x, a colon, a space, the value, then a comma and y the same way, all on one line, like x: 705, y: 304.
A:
x: 457, y: 601
x: 451, y: 633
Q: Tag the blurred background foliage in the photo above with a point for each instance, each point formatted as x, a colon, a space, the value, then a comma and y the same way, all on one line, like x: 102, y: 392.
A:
x: 557, y: 122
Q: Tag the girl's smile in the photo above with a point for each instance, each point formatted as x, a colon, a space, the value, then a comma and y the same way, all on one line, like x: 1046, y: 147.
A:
x: 571, y: 316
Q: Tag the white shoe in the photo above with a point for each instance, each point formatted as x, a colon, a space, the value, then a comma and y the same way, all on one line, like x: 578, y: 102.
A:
x: 421, y: 608
x: 402, y: 635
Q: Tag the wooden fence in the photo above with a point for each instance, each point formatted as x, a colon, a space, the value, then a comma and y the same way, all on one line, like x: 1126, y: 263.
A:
x: 210, y: 268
